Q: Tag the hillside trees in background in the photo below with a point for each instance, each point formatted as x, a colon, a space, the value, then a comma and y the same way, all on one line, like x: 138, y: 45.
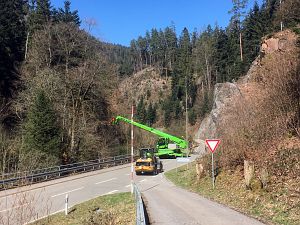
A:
x: 65, y: 15
x: 238, y: 12
x: 41, y: 134
x: 12, y: 39
x: 288, y: 12
x: 71, y: 68
x: 146, y: 114
x: 213, y: 55
x: 39, y: 14
x: 74, y: 73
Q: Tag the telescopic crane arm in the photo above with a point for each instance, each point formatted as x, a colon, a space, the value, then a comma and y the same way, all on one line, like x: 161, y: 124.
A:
x: 180, y: 142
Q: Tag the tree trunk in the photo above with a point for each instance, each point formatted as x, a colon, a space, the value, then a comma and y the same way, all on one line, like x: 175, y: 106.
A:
x: 207, y: 71
x: 241, y: 47
x: 26, y: 46
x: 72, y: 140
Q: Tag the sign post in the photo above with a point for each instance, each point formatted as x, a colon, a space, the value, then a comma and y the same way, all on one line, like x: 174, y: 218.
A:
x: 212, y: 145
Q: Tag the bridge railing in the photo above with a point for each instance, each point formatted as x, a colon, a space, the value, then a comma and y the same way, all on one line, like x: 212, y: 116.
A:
x: 11, y: 180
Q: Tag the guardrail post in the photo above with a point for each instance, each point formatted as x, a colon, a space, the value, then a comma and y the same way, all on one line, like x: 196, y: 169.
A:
x: 114, y: 160
x: 59, y: 171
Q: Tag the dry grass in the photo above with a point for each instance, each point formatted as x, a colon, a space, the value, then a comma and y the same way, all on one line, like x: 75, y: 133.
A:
x: 117, y: 209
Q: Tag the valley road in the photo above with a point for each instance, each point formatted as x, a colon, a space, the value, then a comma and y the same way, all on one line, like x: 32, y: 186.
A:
x: 166, y: 203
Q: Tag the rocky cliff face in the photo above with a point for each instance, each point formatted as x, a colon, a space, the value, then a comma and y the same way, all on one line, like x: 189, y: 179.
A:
x: 225, y: 92
x: 222, y: 97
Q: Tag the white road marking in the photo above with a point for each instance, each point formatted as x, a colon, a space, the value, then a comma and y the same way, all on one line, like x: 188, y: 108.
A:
x: 143, y: 180
x: 111, y: 192
x: 101, y: 182
x: 127, y: 174
x: 127, y: 186
x: 67, y: 192
x: 14, y: 207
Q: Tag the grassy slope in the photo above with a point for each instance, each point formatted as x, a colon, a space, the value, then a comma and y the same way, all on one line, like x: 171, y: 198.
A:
x: 271, y: 207
x: 114, y: 209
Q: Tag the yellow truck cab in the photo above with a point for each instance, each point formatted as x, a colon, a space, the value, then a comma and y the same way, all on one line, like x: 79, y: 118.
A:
x: 148, y: 163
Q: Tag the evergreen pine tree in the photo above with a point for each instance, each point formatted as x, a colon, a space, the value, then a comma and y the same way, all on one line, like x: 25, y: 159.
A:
x: 192, y: 117
x: 40, y: 14
x: 221, y: 55
x: 184, y: 54
x: 238, y: 13
x: 141, y: 111
x: 268, y: 11
x: 151, y: 114
x: 43, y: 11
x: 12, y: 42
x: 171, y: 44
x: 253, y: 32
x: 66, y: 15
x: 41, y: 131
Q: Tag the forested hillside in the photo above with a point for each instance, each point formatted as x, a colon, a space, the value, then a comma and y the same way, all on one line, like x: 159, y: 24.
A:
x: 55, y: 83
x: 57, y: 80
x: 198, y: 59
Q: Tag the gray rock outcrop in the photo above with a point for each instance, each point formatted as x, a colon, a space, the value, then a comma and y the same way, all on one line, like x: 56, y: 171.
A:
x: 222, y: 97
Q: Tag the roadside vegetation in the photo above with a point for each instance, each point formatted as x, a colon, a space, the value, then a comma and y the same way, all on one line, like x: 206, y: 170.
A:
x: 278, y: 204
x: 257, y: 163
x: 115, y: 209
x: 49, y: 57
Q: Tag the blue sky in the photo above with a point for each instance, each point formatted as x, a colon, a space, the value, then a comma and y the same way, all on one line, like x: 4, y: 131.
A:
x: 120, y: 21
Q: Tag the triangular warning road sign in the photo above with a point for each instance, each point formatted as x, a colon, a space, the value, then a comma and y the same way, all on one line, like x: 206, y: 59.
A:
x: 212, y: 144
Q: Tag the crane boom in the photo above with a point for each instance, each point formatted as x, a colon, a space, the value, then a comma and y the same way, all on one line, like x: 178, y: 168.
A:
x: 178, y: 141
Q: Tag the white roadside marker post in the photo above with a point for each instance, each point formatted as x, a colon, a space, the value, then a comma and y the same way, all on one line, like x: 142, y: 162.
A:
x: 66, y: 204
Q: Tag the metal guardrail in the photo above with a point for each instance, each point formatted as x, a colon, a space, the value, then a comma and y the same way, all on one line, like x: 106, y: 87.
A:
x: 140, y: 212
x: 10, y: 180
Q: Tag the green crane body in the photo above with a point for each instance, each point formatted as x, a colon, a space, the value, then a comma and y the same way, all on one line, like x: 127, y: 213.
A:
x: 163, y: 142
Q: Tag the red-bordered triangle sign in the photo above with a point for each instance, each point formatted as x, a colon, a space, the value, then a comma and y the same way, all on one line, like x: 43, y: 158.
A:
x: 212, y: 144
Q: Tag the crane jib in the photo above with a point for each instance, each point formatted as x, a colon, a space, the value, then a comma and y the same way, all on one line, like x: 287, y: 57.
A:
x: 180, y: 142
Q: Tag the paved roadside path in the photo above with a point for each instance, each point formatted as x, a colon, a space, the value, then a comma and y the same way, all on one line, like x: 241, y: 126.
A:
x: 168, y: 204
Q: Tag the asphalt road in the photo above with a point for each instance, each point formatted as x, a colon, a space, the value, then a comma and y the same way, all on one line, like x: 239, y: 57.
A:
x: 166, y: 204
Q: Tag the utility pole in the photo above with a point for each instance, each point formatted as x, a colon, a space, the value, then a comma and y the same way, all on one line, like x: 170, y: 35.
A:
x: 132, y: 150
x: 186, y: 115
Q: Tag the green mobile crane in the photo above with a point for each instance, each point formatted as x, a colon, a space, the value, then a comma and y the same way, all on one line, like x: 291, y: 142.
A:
x: 168, y: 146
